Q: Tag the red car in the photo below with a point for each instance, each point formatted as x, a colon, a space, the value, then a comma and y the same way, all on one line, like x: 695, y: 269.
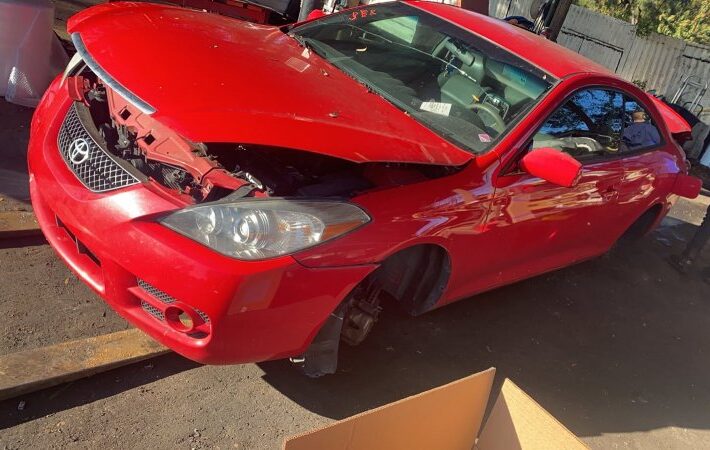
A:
x: 245, y: 192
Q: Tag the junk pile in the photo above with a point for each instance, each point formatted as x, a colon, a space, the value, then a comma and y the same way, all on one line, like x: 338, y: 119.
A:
x: 31, y: 55
x: 687, y: 102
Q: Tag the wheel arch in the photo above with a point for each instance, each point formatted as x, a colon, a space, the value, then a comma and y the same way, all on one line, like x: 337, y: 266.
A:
x: 647, y: 221
x: 416, y: 276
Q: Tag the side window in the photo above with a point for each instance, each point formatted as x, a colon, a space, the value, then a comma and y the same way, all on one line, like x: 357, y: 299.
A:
x: 588, y: 125
x: 639, y: 131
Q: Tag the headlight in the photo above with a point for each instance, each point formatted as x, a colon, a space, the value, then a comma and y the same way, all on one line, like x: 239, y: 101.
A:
x: 259, y: 229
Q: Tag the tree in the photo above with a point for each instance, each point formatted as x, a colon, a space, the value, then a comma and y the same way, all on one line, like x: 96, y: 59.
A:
x: 692, y: 24
x: 684, y: 19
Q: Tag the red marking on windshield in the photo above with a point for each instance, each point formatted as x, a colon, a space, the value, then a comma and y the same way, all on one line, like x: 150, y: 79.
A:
x: 362, y: 14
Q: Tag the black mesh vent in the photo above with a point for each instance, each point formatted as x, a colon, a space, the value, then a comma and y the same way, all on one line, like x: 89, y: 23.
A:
x: 152, y: 310
x: 155, y: 292
x: 165, y: 298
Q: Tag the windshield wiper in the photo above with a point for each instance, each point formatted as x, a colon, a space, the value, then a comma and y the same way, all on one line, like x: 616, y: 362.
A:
x: 301, y: 41
x: 308, y: 44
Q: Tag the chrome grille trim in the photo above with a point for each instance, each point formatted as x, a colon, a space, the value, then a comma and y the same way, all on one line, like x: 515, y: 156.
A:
x: 111, y: 82
x: 100, y: 172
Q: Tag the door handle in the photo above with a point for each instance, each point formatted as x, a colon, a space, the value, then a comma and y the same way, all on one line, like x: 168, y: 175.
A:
x: 610, y: 192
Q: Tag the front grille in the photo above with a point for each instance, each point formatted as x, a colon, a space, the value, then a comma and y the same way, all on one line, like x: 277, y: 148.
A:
x: 164, y: 298
x: 98, y: 171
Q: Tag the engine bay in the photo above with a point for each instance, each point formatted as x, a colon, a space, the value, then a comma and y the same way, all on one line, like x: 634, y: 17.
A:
x: 201, y: 172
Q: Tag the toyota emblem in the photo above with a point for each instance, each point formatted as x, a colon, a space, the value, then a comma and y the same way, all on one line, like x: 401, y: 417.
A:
x: 79, y: 151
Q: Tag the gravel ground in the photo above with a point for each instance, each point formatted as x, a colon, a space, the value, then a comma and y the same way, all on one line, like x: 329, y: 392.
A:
x: 44, y: 303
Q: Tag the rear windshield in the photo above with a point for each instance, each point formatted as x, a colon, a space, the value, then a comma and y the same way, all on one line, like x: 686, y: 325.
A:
x: 456, y: 83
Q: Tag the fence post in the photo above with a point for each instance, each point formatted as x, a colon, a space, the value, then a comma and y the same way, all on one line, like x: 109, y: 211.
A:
x: 558, y: 18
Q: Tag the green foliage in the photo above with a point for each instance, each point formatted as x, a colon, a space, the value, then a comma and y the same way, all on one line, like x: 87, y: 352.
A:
x: 684, y: 19
x: 641, y: 84
x: 692, y: 24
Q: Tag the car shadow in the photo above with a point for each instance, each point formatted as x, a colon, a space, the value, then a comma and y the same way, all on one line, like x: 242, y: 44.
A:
x: 615, y: 344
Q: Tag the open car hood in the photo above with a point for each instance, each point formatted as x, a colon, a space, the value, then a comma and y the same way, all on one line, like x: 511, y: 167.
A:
x: 215, y: 79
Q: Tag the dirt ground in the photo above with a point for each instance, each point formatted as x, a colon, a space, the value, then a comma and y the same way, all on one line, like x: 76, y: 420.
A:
x: 616, y: 348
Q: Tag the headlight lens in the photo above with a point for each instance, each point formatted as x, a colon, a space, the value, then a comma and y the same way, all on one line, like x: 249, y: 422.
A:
x: 260, y: 229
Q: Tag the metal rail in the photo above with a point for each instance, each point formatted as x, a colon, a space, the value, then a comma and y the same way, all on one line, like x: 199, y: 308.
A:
x: 700, y: 86
x: 15, y: 224
x: 36, y: 369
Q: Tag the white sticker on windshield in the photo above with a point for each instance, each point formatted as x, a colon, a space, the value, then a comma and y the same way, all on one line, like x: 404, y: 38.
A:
x: 297, y: 64
x: 437, y: 108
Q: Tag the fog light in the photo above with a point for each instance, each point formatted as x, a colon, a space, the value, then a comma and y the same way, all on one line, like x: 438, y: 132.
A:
x: 179, y: 319
x: 185, y: 320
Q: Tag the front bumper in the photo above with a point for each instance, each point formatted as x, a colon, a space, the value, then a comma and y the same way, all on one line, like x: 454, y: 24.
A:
x: 253, y: 311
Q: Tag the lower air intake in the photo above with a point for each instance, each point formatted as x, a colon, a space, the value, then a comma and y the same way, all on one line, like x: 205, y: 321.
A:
x: 165, y: 298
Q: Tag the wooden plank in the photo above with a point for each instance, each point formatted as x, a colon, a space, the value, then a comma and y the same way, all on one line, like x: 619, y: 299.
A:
x: 15, y: 224
x: 32, y: 370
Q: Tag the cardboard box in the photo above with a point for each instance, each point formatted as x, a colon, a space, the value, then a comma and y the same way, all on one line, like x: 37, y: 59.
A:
x: 447, y: 418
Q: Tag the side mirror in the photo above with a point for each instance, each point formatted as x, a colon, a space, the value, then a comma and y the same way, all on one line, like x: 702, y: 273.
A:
x: 552, y: 165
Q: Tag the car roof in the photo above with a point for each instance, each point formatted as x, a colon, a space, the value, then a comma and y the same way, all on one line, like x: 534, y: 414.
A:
x: 543, y: 53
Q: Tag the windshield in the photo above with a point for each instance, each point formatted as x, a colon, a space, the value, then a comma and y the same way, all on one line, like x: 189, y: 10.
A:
x: 456, y: 83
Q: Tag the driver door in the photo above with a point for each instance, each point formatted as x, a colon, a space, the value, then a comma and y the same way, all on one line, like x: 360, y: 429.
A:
x: 542, y: 226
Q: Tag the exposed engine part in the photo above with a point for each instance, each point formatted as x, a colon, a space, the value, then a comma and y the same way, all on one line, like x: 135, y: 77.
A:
x: 415, y: 278
x: 362, y: 312
x: 351, y: 322
x: 97, y: 94
x: 251, y: 179
x: 123, y: 141
x: 152, y: 148
x: 211, y: 171
x: 287, y: 172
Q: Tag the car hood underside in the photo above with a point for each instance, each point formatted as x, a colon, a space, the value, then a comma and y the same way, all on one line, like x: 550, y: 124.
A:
x: 216, y: 79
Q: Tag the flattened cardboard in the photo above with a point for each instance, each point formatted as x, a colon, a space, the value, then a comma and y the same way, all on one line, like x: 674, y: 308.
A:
x: 518, y: 422
x: 444, y: 418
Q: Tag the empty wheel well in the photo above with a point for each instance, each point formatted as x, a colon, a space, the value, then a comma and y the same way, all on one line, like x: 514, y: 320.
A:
x: 415, y: 277
x: 643, y: 224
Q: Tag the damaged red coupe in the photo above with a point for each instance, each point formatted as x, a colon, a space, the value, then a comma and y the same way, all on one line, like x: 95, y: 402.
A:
x: 246, y: 192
